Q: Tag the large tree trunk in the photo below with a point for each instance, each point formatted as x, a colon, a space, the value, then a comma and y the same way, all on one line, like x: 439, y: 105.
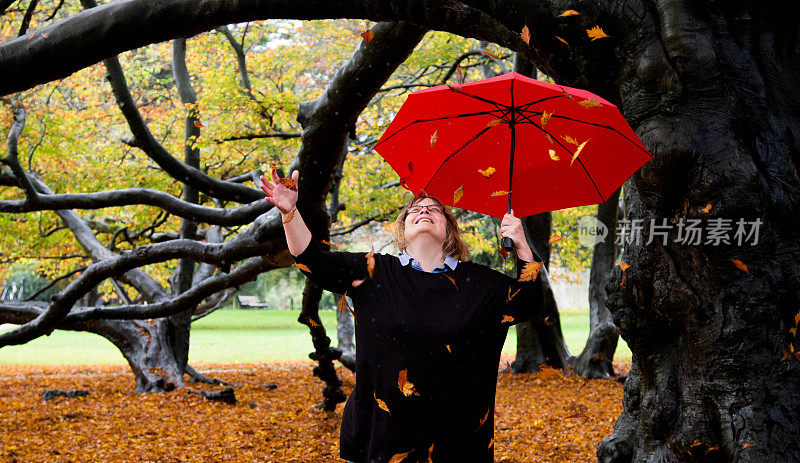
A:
x: 596, y: 360
x: 714, y: 92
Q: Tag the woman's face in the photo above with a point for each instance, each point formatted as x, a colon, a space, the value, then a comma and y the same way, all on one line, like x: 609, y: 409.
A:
x: 425, y: 217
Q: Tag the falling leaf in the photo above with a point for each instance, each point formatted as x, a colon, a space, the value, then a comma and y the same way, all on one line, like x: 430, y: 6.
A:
x: 591, y: 103
x: 553, y: 155
x: 561, y: 40
x: 491, y: 442
x: 707, y: 208
x: 199, y: 124
x: 504, y: 253
x: 564, y: 92
x: 578, y: 151
x: 289, y: 216
x: 314, y: 323
x: 797, y: 319
x: 329, y: 243
x: 526, y: 35
x: 370, y: 256
x: 356, y: 283
x: 555, y: 239
x: 44, y: 35
x: 303, y: 267
x: 569, y: 139
x: 485, y: 417
x: 568, y: 13
x: 549, y: 138
x: 487, y: 172
x: 342, y: 303
x: 367, y: 36
x: 381, y: 404
x: 406, y: 387
x: 510, y: 295
x: 397, y: 458
x: 545, y: 118
x: 547, y: 321
x: 434, y: 138
x: 623, y: 279
x: 695, y: 443
x: 740, y: 265
x: 492, y: 55
x: 623, y: 265
x: 458, y: 194
x: 596, y: 33
x: 747, y: 445
x: 499, y: 193
x: 430, y: 454
x: 452, y: 280
x: 448, y: 348
x: 530, y: 271
x: 460, y: 74
x: 493, y: 123
x: 288, y: 183
x: 507, y: 319
x: 455, y: 88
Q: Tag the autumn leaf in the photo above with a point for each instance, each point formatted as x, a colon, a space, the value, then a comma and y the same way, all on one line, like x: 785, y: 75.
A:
x: 452, y: 280
x: 487, y: 172
x: 740, y: 265
x: 549, y: 138
x: 288, y: 183
x: 564, y: 92
x: 329, y: 243
x: 367, y: 36
x: 491, y: 442
x: 553, y: 155
x: 485, y: 417
x: 381, y: 404
x: 289, y: 216
x: 578, y: 151
x: 434, y: 138
x: 406, y: 387
x: 199, y: 124
x: 430, y: 454
x: 530, y: 271
x: 507, y: 319
x: 568, y: 13
x: 510, y: 295
x: 555, y: 239
x: 460, y: 74
x: 314, y: 323
x: 448, y: 348
x: 545, y: 118
x: 504, y: 253
x: 398, y: 457
x: 492, y: 55
x: 526, y: 35
x: 591, y: 103
x: 458, y: 194
x: 569, y: 139
x: 747, y: 445
x: 493, y: 123
x: 499, y: 193
x: 356, y: 283
x: 707, y: 208
x: 561, y: 40
x: 623, y: 265
x: 797, y: 319
x: 370, y: 256
x: 303, y: 267
x: 342, y: 303
x: 596, y: 33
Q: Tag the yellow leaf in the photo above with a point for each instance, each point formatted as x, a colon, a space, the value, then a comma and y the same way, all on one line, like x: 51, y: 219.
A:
x: 553, y: 155
x: 526, y: 35
x: 371, y: 261
x: 578, y: 151
x: 596, y: 33
x: 564, y: 92
x: 549, y: 138
x: 434, y: 138
x: 568, y: 13
x: 740, y: 265
x: 507, y: 319
x: 569, y: 139
x: 493, y: 123
x: 397, y: 458
x: 487, y: 172
x: 381, y: 404
x: 623, y: 265
x: 707, y: 208
x: 561, y: 40
x: 499, y: 193
x: 458, y: 194
x: 545, y: 118
x: 555, y: 238
x: 289, y: 216
x: 367, y: 35
x: 530, y: 271
x: 406, y: 386
x: 591, y: 103
x: 448, y: 348
x: 303, y: 267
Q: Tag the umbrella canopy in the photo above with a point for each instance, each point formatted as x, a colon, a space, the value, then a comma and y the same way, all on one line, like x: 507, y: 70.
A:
x: 511, y: 142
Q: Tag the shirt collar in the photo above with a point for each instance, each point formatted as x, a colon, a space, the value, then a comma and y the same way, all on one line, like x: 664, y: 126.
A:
x: 405, y: 259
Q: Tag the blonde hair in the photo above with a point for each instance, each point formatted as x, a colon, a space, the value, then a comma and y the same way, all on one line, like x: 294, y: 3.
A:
x: 453, y: 244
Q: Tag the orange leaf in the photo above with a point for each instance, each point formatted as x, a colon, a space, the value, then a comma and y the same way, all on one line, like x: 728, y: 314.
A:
x: 434, y: 138
x: 491, y: 442
x: 569, y: 139
x: 430, y: 454
x: 289, y: 216
x: 545, y: 118
x: 623, y: 279
x: 507, y: 319
x: 314, y: 322
x: 591, y: 103
x: 44, y: 35
x: 356, y: 283
x: 707, y: 208
x: 452, y: 280
x: 499, y: 193
x: 623, y: 265
x: 549, y: 138
x: 460, y: 74
x: 493, y: 123
x: 553, y: 155
x: 490, y: 54
x: 747, y: 445
x: 578, y: 151
x: 503, y: 253
x: 596, y: 33
x: 487, y: 172
x: 510, y: 295
x: 458, y: 194
x: 568, y: 13
x: 367, y: 35
x: 199, y: 124
x: 526, y: 35
x: 564, y: 92
x: 303, y: 267
x: 329, y: 243
x: 530, y: 271
x: 555, y: 239
x: 397, y: 458
x: 448, y: 348
x: 797, y: 319
x: 288, y: 183
x: 342, y: 303
x: 406, y: 387
x: 485, y: 417
x: 381, y: 404
x: 740, y: 265
x: 371, y: 261
x: 561, y: 40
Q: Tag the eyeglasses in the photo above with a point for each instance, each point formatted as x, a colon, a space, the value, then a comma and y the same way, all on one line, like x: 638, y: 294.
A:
x: 433, y: 208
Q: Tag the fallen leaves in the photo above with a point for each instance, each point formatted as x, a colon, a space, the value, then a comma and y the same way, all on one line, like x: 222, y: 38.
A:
x: 488, y: 172
x: 526, y: 35
x: 458, y: 194
x: 199, y: 124
x: 595, y: 33
x: 530, y: 271
x: 561, y: 40
x: 624, y: 265
x: 485, y: 417
x: 328, y: 243
x: 342, y: 304
x: 555, y: 239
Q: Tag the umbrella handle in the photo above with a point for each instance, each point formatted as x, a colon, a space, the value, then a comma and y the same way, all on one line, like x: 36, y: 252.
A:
x: 507, y: 243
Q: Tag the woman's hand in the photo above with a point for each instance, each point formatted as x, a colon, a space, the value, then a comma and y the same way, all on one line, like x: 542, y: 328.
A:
x: 283, y: 197
x: 511, y: 227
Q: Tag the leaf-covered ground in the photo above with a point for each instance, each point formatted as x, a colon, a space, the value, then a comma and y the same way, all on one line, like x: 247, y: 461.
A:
x: 543, y: 417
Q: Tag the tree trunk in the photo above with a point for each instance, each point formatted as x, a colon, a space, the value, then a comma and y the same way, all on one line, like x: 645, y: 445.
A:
x: 596, y: 360
x: 714, y: 92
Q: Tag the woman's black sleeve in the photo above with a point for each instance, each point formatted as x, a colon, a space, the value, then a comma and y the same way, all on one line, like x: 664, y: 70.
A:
x: 332, y: 271
x: 523, y: 300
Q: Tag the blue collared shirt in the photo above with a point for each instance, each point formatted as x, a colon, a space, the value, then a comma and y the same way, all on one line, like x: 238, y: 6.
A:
x: 449, y: 262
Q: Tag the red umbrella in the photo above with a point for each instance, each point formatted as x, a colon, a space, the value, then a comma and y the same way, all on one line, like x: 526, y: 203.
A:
x: 475, y: 144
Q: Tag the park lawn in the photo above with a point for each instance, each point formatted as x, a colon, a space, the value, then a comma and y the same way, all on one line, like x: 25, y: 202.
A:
x: 245, y: 336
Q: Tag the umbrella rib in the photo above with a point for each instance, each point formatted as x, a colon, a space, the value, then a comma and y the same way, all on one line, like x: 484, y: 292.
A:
x: 527, y: 105
x: 603, y: 126
x: 499, y: 106
x: 481, y: 113
x: 570, y: 152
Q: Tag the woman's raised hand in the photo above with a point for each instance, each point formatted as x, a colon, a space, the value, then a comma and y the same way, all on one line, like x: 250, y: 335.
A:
x: 511, y: 227
x: 282, y: 196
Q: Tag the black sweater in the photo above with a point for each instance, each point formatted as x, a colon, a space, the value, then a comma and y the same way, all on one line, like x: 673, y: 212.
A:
x: 446, y: 337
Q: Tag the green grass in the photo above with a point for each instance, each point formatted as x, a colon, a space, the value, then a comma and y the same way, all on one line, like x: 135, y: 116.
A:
x: 229, y: 336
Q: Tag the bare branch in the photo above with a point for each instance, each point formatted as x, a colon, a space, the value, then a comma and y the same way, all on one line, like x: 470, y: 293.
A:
x: 253, y: 136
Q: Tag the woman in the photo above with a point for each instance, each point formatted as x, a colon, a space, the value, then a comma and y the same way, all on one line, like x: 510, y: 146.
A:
x: 429, y: 329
